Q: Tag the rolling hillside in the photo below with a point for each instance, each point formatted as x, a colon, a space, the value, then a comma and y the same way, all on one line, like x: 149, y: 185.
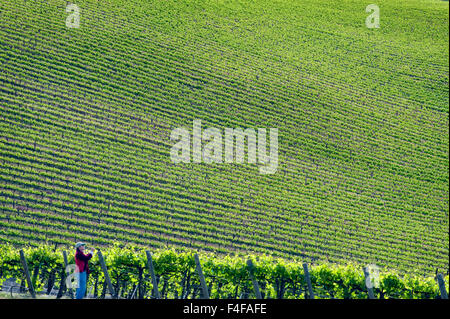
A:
x: 362, y: 117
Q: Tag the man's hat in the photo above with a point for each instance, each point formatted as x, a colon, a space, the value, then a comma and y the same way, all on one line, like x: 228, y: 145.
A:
x: 79, y: 244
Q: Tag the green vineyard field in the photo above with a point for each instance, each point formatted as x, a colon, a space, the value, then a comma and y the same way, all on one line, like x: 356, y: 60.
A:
x: 362, y: 115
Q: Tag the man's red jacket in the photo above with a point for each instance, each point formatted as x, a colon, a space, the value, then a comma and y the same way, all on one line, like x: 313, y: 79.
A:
x: 81, y: 260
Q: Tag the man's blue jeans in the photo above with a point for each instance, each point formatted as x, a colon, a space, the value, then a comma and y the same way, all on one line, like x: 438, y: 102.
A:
x: 81, y: 290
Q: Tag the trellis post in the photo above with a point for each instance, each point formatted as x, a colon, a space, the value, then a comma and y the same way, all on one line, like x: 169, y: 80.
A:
x: 27, y: 274
x: 441, y: 284
x: 368, y: 280
x: 308, y: 281
x: 253, y: 279
x: 205, y: 292
x: 66, y: 263
x: 105, y: 272
x: 152, y: 274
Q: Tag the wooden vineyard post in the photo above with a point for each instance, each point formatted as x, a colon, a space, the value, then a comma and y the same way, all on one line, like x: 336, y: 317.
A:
x: 152, y: 274
x: 27, y: 273
x: 105, y: 272
x: 368, y: 280
x: 62, y: 284
x: 66, y: 263
x: 205, y: 292
x: 441, y: 284
x: 308, y: 281
x: 253, y: 279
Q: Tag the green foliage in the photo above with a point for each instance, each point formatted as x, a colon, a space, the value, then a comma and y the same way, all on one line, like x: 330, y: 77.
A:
x: 226, y: 276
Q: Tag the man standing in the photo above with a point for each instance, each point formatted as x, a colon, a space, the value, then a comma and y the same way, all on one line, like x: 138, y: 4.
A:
x: 82, y: 268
